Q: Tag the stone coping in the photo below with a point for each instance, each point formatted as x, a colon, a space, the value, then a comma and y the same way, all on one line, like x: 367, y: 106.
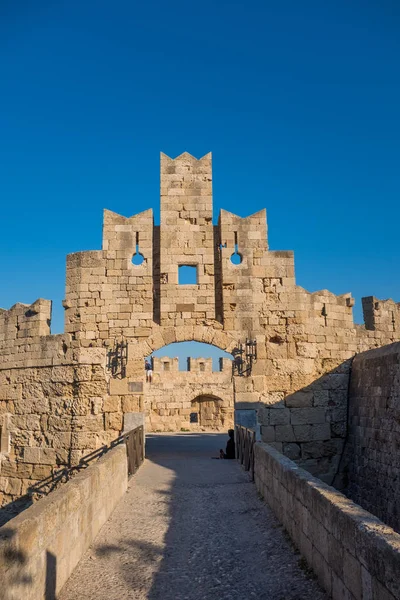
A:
x: 354, y: 555
x: 40, y: 547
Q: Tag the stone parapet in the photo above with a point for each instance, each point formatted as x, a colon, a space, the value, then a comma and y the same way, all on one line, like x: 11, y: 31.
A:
x: 381, y: 315
x: 165, y: 364
x: 40, y: 548
x: 354, y: 555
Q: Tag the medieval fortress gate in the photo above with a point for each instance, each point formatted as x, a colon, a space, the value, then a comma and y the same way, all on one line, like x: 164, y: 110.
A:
x: 62, y: 396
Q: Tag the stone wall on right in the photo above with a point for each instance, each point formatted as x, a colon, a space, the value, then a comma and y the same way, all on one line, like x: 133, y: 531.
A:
x: 354, y: 555
x: 372, y: 456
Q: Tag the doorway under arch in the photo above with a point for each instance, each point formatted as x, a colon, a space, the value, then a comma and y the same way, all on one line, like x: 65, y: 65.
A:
x: 211, y: 412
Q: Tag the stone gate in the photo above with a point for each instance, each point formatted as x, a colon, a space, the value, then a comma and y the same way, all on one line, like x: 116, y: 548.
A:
x: 59, y: 400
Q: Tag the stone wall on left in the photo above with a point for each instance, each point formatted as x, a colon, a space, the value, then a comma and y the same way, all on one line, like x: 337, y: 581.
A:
x: 53, y: 401
x: 40, y: 548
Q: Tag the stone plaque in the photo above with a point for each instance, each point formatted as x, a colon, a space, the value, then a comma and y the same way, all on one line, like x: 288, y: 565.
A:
x: 184, y: 307
x: 135, y: 386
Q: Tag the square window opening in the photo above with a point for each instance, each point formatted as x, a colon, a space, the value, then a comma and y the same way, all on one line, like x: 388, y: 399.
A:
x: 187, y: 274
x: 194, y: 417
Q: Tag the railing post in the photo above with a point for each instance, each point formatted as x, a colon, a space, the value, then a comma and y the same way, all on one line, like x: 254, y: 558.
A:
x: 245, y: 440
x: 134, y: 448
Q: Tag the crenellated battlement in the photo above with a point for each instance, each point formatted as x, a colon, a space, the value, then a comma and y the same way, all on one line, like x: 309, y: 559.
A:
x: 23, y: 321
x: 185, y: 164
x: 381, y: 315
x: 133, y: 284
x: 121, y: 234
x: 165, y: 366
x: 186, y: 191
x: 243, y: 234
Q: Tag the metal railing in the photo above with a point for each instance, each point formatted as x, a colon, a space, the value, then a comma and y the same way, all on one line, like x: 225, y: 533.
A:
x: 245, y: 440
x: 134, y: 441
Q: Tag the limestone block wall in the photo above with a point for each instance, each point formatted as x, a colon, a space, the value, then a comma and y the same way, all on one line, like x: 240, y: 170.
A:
x: 53, y: 417
x: 200, y: 365
x: 40, y: 548
x: 107, y: 295
x: 54, y: 406
x: 174, y: 396
x: 381, y: 315
x: 373, y: 448
x: 165, y: 364
x: 242, y: 285
x: 309, y: 342
x: 353, y: 554
x: 23, y: 321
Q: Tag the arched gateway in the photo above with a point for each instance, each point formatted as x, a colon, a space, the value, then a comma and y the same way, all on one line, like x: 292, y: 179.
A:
x: 127, y: 300
x: 240, y: 290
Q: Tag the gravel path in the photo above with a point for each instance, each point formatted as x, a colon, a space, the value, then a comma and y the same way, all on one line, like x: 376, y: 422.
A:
x: 190, y: 528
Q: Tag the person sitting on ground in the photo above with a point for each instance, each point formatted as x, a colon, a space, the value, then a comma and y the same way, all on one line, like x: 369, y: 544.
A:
x: 230, y: 446
x: 149, y: 371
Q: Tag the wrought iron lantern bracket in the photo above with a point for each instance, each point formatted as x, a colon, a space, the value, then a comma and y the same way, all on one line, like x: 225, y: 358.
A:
x: 117, y: 359
x: 244, y: 356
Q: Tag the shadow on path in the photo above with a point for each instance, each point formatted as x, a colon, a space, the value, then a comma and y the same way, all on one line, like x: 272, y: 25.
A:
x: 191, y: 528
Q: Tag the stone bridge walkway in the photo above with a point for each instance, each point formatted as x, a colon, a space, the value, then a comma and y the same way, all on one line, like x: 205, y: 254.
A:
x: 190, y: 528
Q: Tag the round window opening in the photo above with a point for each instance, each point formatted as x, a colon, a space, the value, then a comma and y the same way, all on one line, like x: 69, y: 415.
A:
x: 137, y: 259
x: 236, y: 258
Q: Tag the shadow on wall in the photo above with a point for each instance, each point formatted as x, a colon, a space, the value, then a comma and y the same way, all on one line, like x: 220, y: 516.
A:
x: 15, y: 563
x: 12, y: 509
x: 51, y: 576
x: 49, y: 484
x: 310, y: 426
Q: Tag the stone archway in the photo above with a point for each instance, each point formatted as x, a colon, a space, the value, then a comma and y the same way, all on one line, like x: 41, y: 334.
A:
x: 166, y: 402
x: 209, y: 334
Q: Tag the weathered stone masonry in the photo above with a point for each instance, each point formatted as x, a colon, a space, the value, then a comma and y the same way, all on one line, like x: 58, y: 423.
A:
x: 372, y: 457
x: 58, y: 400
x: 175, y: 395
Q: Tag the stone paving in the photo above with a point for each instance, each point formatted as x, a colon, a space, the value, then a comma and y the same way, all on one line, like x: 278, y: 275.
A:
x: 191, y: 528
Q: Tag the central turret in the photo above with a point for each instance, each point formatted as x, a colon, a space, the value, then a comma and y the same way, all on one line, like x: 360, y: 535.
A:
x: 186, y: 238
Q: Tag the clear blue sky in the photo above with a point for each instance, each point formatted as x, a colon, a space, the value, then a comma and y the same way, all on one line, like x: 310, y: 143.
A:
x: 298, y: 101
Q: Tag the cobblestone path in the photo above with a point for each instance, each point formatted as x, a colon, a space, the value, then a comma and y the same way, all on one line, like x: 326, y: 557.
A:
x: 190, y: 528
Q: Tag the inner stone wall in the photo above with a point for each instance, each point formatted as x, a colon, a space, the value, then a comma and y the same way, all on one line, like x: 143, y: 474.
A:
x: 173, y: 396
x: 373, y: 448
x: 54, y: 402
